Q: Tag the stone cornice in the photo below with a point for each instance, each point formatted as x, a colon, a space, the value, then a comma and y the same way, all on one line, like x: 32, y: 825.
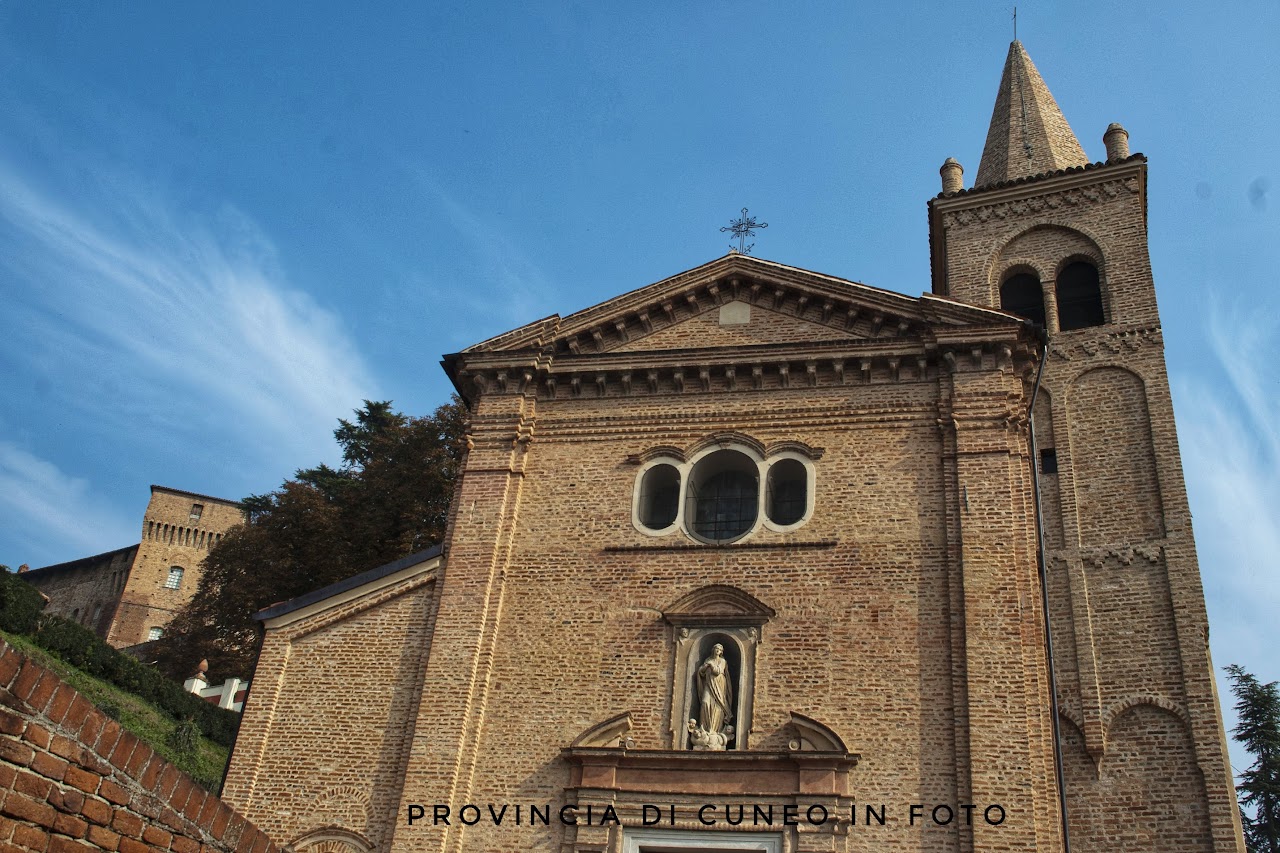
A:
x: 731, y: 546
x: 1071, y: 346
x: 1070, y: 188
x: 734, y: 369
x: 847, y: 308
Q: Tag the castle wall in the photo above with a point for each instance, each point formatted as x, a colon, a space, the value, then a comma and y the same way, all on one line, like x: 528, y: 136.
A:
x: 86, y: 590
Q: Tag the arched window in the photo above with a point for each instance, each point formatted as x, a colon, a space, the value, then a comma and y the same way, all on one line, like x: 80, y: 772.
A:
x: 659, y: 500
x: 787, y: 498
x: 725, y: 491
x: 154, y: 634
x: 1079, y: 297
x: 723, y: 496
x: 1021, y: 294
x: 174, y: 581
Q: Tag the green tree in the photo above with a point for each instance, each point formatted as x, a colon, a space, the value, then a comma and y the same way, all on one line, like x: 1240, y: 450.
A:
x: 390, y: 498
x: 1258, y: 707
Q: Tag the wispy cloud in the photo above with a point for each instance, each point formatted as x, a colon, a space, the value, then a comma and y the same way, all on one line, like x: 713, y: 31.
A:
x: 1229, y: 424
x: 39, y: 501
x: 151, y: 342
x: 192, y: 311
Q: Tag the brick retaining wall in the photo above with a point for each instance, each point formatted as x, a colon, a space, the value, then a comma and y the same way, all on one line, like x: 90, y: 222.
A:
x: 71, y: 779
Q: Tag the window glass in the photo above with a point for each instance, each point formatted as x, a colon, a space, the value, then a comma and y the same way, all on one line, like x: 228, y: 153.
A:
x: 1079, y: 297
x: 723, y: 496
x: 788, y: 495
x: 1021, y: 294
x: 659, y: 497
x: 154, y: 634
x: 174, y: 580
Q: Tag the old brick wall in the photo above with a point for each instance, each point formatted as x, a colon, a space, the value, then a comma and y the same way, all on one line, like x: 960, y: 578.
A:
x: 171, y: 538
x: 71, y: 779
x: 1127, y: 605
x: 325, y: 731
x: 928, y: 665
x: 86, y: 590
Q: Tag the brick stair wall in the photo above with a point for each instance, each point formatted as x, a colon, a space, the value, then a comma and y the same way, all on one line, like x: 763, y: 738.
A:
x: 71, y: 779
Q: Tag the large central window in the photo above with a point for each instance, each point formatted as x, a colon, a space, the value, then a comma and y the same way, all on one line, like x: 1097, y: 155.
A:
x: 723, y: 494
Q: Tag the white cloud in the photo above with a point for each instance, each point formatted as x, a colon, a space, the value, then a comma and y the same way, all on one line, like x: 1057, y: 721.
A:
x: 35, y: 496
x: 140, y: 312
x: 1230, y: 434
x: 505, y: 285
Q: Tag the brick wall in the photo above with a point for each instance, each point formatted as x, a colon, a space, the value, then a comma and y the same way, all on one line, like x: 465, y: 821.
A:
x: 357, y: 660
x: 171, y: 537
x: 71, y: 779
x: 85, y: 590
x: 1126, y: 600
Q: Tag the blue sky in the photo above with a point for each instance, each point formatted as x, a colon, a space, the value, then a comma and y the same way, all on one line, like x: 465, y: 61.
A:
x: 224, y: 225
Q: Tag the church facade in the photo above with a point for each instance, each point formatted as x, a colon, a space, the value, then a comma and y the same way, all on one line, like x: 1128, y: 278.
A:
x: 750, y: 559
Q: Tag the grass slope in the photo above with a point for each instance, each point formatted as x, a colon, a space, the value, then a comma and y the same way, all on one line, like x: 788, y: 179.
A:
x: 152, y: 725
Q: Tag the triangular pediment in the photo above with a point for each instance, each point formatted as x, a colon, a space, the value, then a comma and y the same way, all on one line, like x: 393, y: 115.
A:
x: 740, y: 301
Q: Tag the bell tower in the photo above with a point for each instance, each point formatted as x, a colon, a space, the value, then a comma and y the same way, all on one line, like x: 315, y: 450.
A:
x: 1062, y: 242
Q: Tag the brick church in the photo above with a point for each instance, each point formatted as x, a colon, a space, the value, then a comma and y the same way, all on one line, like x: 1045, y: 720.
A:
x: 750, y: 559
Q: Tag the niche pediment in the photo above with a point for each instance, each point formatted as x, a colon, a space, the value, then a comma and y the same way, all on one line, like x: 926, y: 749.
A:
x: 717, y: 605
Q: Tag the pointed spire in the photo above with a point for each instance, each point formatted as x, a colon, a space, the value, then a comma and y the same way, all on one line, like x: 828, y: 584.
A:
x: 1028, y: 134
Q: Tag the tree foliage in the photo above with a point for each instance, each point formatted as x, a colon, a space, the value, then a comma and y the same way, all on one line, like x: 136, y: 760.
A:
x: 390, y: 498
x: 1258, y: 707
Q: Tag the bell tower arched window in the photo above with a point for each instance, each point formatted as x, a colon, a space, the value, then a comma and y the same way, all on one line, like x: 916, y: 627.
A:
x: 1079, y: 297
x: 1021, y: 294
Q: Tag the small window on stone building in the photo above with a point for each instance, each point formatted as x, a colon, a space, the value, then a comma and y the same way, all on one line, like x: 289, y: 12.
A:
x: 154, y: 634
x: 1048, y: 461
x: 174, y: 580
x: 1079, y: 297
x: 659, y: 496
x: 75, y: 614
x: 723, y: 496
x: 1021, y: 294
x: 97, y: 612
x: 197, y: 510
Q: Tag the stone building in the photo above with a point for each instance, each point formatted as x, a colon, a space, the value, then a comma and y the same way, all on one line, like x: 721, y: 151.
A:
x: 127, y: 596
x: 748, y: 559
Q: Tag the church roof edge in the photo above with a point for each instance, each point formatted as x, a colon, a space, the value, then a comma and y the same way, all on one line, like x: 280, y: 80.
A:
x: 1029, y: 179
x: 347, y: 584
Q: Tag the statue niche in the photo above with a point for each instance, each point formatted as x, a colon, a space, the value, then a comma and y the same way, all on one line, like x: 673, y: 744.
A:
x: 715, y: 635
x: 714, y: 688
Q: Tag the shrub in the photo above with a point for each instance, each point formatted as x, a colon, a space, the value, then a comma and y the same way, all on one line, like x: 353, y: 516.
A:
x: 184, y: 737
x: 81, y: 648
x: 20, y: 604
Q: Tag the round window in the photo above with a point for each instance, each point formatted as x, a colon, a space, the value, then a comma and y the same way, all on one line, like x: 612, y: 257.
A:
x: 723, y: 496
